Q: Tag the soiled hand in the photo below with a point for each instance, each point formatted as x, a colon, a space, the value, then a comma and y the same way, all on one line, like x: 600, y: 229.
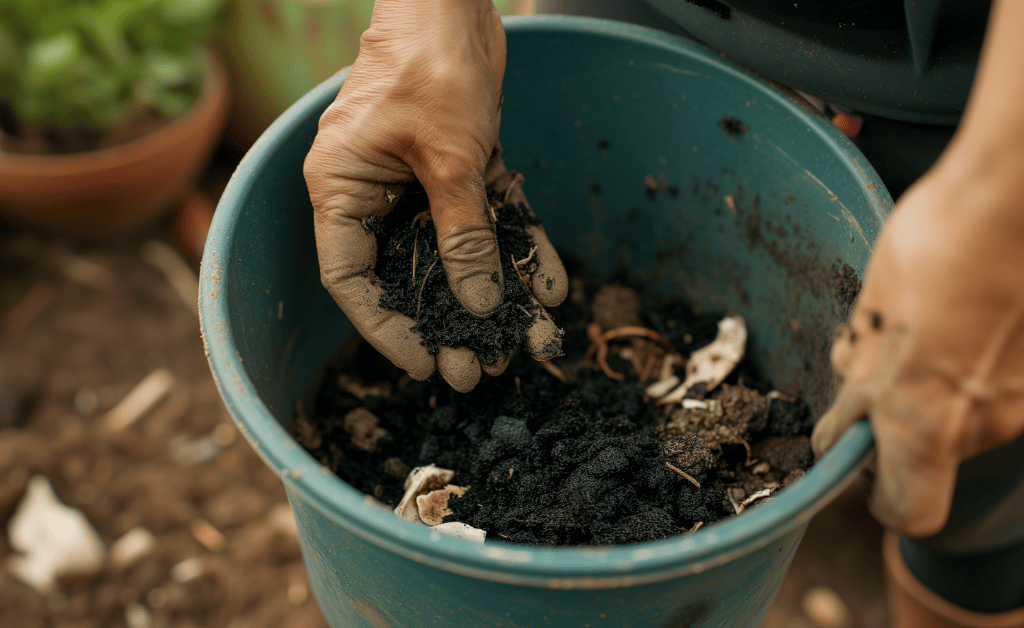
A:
x: 422, y: 101
x: 934, y: 352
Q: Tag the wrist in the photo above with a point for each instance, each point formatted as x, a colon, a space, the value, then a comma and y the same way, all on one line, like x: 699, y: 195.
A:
x: 425, y: 9
x: 980, y: 173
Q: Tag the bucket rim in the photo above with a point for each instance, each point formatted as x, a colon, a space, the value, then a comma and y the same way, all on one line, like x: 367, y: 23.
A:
x: 558, y: 567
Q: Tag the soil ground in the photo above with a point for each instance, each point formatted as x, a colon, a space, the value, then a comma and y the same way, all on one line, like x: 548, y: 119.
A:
x: 79, y: 327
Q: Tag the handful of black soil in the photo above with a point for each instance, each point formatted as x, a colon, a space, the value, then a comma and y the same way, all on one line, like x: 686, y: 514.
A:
x: 588, y: 461
x: 414, y: 281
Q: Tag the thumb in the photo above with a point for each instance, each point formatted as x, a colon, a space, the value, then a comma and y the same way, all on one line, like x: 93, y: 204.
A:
x: 466, y: 241
x: 914, y: 481
x: 850, y: 406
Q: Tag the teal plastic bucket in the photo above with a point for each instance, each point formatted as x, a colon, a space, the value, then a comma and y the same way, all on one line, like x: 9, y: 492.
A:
x: 760, y: 221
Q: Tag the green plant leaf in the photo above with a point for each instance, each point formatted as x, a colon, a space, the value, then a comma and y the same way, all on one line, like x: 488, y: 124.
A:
x: 166, y: 70
x: 48, y: 61
x: 9, y: 60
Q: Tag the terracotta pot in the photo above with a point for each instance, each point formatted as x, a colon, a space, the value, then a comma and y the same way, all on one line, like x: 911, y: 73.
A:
x: 113, y: 191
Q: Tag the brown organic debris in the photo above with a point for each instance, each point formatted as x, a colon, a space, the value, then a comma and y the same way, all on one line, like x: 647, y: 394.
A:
x: 360, y: 391
x: 363, y: 427
x: 304, y: 431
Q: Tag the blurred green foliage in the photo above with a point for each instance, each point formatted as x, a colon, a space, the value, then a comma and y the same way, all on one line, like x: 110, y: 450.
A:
x: 101, y: 63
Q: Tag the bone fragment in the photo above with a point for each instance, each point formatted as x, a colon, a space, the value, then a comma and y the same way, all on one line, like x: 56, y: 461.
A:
x: 433, y: 506
x: 713, y: 363
x: 462, y: 531
x: 421, y: 480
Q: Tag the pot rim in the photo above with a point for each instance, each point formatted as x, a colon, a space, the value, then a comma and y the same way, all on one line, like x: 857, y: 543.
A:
x: 212, y: 101
x: 560, y: 567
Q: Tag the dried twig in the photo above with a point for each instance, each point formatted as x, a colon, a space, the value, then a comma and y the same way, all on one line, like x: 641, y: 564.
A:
x: 526, y: 259
x: 422, y: 218
x: 602, y: 361
x: 695, y: 527
x: 528, y: 315
x: 519, y: 386
x: 619, y: 332
x: 516, y: 178
x: 683, y: 473
x: 554, y: 370
x: 415, y: 243
x: 140, y: 400
x: 645, y: 374
x: 750, y: 460
x: 419, y: 297
x: 634, y: 331
x: 515, y: 265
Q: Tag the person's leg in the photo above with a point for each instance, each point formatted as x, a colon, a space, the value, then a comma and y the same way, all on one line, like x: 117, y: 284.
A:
x: 972, y: 572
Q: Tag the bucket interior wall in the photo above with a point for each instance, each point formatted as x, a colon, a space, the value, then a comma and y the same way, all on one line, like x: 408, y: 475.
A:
x: 589, y: 138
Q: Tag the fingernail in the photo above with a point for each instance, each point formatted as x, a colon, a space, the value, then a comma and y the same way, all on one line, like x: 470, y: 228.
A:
x: 480, y: 294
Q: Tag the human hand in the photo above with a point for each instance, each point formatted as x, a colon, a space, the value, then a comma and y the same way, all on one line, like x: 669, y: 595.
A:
x: 422, y: 101
x: 933, y: 355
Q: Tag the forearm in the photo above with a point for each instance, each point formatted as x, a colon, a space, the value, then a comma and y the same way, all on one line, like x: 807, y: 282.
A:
x: 988, y: 149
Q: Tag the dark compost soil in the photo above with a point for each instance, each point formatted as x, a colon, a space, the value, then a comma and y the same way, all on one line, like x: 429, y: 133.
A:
x: 414, y: 282
x: 587, y: 462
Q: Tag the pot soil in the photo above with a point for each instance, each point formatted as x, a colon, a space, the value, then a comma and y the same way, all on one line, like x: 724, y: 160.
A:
x: 605, y: 445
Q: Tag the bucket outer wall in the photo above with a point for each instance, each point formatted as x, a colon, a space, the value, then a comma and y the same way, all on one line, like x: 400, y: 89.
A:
x: 592, y: 109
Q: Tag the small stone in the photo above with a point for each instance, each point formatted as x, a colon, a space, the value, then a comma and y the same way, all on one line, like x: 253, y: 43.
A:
x: 825, y: 609
x: 298, y: 593
x: 137, y: 616
x: 187, y: 570
x: 158, y: 597
x: 795, y: 475
x: 761, y: 468
x: 209, y: 536
x: 283, y: 520
x: 133, y: 545
x: 737, y: 493
x: 188, y: 452
x: 396, y: 468
x: 87, y: 400
x: 223, y: 435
